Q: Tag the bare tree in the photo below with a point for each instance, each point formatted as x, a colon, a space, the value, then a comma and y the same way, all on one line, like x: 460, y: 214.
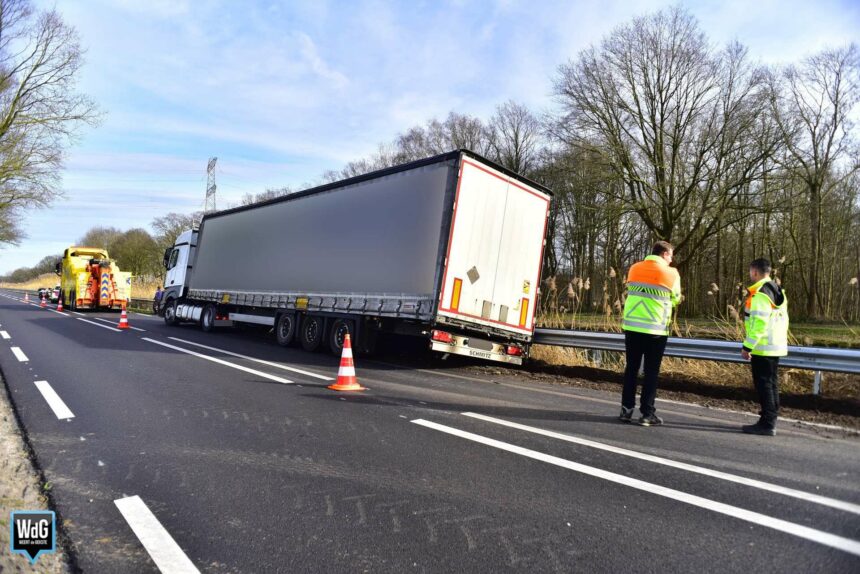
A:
x: 514, y: 135
x: 39, y: 108
x: 812, y: 103
x: 680, y: 122
x: 101, y: 237
x: 168, y: 227
x: 270, y: 193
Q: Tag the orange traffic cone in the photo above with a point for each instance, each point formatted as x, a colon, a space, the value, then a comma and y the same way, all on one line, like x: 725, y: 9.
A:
x: 60, y: 304
x: 123, y: 319
x: 346, y: 380
x: 26, y: 297
x: 43, y: 304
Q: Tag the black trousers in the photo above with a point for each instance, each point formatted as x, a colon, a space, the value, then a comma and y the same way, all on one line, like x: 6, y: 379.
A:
x: 766, y: 381
x: 638, y: 345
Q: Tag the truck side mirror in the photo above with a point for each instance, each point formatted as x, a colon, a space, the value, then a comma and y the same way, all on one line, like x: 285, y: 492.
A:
x: 166, y: 261
x: 57, y: 268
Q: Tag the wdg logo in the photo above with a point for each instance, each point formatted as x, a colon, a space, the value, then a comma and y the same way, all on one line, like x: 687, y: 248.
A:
x: 33, y: 532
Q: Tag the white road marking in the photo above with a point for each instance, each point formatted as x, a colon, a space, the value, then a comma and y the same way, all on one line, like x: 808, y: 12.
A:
x: 271, y: 364
x: 220, y: 362
x: 825, y: 538
x: 80, y: 314
x: 111, y: 323
x: 54, y: 401
x: 162, y: 548
x: 5, y: 335
x: 19, y: 354
x: 99, y: 325
x: 57, y: 312
x: 809, y: 497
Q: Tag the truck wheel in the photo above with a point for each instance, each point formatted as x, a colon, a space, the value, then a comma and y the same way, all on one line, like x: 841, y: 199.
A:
x: 338, y: 333
x: 285, y: 329
x: 312, y: 334
x: 207, y: 318
x: 73, y: 301
x: 170, y: 313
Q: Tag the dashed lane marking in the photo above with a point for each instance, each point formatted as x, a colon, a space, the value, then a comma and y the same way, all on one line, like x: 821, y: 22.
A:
x: 111, y: 323
x: 821, y: 537
x: 19, y: 354
x: 99, y: 325
x: 220, y: 361
x: 54, y: 401
x: 162, y: 548
x: 271, y: 364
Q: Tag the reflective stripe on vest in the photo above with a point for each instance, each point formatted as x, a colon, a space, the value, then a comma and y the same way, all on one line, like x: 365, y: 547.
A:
x: 648, y: 307
x: 767, y: 326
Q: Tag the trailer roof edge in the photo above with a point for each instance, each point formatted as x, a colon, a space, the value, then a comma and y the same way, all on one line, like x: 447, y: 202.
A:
x: 382, y: 173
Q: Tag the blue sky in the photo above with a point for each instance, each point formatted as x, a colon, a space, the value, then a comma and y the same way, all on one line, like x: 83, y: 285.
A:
x: 282, y: 91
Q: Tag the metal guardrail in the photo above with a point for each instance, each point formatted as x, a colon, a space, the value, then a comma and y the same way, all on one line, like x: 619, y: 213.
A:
x: 816, y: 359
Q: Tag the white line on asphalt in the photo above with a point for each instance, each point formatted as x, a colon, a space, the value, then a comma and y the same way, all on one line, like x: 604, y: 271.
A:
x: 825, y: 538
x: 57, y: 312
x: 220, y: 362
x: 271, y: 364
x: 5, y: 335
x: 76, y: 313
x: 809, y: 497
x: 99, y: 325
x: 19, y: 354
x: 162, y: 548
x: 54, y: 401
x: 111, y: 323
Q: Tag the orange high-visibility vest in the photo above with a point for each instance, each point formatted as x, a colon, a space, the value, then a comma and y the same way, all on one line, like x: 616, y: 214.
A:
x: 653, y: 289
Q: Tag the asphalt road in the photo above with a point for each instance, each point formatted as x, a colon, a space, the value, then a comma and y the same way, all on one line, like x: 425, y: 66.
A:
x: 180, y: 457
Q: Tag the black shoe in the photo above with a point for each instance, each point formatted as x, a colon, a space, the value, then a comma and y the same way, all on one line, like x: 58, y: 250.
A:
x: 626, y: 415
x: 650, y: 420
x: 759, y: 430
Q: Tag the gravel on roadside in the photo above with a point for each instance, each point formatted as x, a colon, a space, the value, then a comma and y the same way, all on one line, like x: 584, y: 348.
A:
x: 20, y: 489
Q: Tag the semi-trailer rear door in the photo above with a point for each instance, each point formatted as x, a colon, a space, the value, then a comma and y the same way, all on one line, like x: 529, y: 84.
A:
x: 495, y: 250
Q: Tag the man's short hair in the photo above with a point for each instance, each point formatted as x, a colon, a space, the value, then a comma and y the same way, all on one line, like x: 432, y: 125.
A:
x: 762, y: 265
x: 661, y: 247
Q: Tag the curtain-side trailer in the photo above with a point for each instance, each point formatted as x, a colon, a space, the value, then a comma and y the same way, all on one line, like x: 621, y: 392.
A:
x: 449, y: 248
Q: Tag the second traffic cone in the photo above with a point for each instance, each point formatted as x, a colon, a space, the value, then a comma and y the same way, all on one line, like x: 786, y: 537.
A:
x: 346, y: 380
x: 43, y: 304
x: 123, y: 319
x: 60, y: 304
x: 26, y: 297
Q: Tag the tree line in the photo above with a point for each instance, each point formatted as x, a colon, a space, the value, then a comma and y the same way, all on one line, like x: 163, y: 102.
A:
x: 135, y: 250
x: 656, y: 133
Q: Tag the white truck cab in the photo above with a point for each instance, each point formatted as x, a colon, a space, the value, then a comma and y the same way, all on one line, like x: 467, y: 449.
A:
x: 178, y: 260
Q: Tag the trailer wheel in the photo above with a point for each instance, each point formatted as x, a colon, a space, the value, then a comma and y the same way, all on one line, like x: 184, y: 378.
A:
x: 285, y: 329
x: 73, y: 303
x: 312, y: 333
x: 207, y: 318
x: 170, y: 313
x: 337, y: 335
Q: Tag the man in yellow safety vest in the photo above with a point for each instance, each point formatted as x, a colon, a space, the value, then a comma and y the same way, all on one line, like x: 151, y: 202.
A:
x: 766, y: 327
x: 653, y: 291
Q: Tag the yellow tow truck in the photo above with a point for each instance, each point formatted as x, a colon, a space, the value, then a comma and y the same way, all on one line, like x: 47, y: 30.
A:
x: 90, y: 280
